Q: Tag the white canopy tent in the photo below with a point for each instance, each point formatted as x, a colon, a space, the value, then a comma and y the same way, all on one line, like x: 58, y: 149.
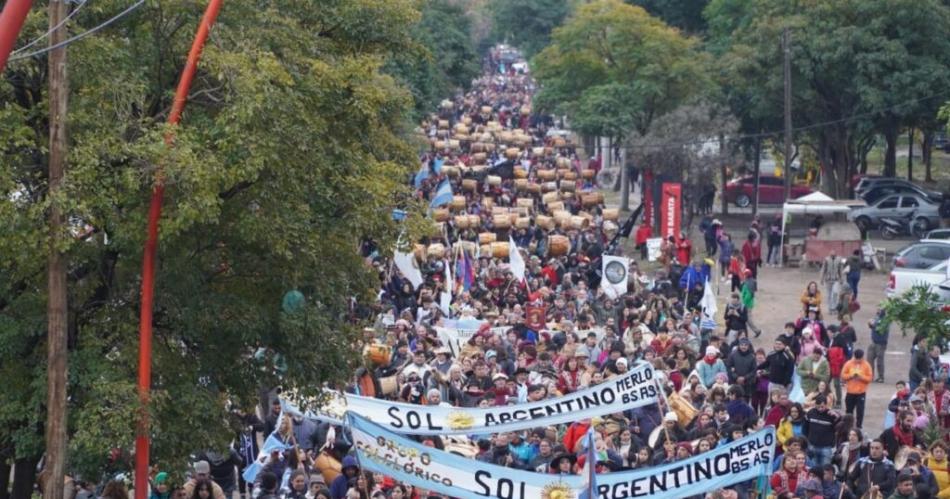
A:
x: 816, y: 203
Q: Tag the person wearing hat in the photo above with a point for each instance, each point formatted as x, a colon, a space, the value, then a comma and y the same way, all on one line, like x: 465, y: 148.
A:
x: 202, y: 473
x: 709, y: 366
x: 926, y: 482
x: 905, y: 486
x: 160, y: 488
x: 500, y: 392
x: 563, y: 464
x: 443, y: 360
x: 810, y: 489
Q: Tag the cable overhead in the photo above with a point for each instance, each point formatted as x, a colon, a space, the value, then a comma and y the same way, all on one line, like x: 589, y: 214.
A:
x: 82, y: 35
x: 54, y: 28
x: 812, y: 126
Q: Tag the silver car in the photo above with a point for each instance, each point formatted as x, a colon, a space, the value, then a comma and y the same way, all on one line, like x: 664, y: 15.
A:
x: 897, y: 206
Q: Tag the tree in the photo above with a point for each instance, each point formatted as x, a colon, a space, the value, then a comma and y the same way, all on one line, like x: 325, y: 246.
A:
x: 686, y: 15
x: 291, y: 153
x: 918, y: 309
x: 613, y: 68
x: 684, y: 146
x: 442, y: 60
x: 527, y: 24
x: 860, y: 67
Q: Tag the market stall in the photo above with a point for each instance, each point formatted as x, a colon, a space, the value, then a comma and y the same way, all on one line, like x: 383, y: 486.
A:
x: 832, y: 231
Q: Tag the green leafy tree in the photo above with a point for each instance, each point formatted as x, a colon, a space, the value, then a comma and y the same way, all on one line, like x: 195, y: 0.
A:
x: 527, y: 24
x: 686, y: 15
x: 291, y: 153
x: 612, y: 69
x: 858, y: 66
x: 921, y: 310
x: 442, y: 60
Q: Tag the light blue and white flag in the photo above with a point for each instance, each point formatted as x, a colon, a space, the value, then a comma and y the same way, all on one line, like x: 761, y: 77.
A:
x: 380, y: 450
x: 635, y: 388
x: 273, y: 443
x: 733, y: 463
x: 421, y: 175
x: 443, y: 196
x: 709, y: 307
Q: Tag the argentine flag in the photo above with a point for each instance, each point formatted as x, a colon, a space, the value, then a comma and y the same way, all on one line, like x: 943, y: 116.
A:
x: 709, y: 307
x: 443, y: 196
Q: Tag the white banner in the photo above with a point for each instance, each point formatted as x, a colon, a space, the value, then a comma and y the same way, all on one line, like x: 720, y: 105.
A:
x: 455, y: 337
x: 614, y: 280
x: 635, y: 388
x: 653, y: 248
x: 382, y: 451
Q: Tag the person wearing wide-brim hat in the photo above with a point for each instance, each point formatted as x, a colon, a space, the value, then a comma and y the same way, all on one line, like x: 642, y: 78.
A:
x: 563, y: 464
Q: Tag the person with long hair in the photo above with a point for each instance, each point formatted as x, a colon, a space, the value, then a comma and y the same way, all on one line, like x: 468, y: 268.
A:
x: 115, y: 489
x: 850, y: 451
x: 203, y: 489
x: 811, y: 298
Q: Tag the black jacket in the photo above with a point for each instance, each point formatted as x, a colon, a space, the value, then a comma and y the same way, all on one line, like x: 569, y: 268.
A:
x: 819, y: 428
x: 881, y: 473
x: 892, y: 445
x: 920, y: 366
x: 742, y: 364
x: 780, y: 366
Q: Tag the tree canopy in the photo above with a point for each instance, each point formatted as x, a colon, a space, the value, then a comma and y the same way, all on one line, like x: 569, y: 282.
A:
x: 612, y: 69
x: 861, y: 67
x: 527, y: 24
x: 291, y: 153
x: 443, y: 57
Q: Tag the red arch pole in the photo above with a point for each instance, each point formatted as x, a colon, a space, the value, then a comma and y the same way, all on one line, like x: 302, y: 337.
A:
x: 148, y: 259
x: 11, y: 21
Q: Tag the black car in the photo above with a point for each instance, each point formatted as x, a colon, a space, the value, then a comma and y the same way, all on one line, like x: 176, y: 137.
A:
x: 881, y: 190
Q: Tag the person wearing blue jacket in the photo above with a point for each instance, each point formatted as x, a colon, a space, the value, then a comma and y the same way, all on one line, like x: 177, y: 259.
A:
x: 342, y: 483
x: 697, y: 273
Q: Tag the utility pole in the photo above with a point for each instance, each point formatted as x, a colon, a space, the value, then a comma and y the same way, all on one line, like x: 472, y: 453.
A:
x: 624, y: 182
x: 787, y: 63
x: 56, y: 263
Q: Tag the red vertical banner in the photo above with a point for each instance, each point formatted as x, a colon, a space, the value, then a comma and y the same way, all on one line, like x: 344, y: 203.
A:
x: 648, y: 196
x: 670, y: 209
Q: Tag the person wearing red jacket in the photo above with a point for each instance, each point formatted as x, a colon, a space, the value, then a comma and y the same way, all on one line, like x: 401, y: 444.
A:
x: 752, y: 254
x: 684, y: 249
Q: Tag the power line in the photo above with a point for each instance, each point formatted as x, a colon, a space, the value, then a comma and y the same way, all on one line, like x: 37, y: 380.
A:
x: 82, y: 4
x: 822, y: 124
x: 82, y: 35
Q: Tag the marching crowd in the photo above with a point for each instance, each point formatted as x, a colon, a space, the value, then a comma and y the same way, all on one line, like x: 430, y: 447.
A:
x: 513, y: 175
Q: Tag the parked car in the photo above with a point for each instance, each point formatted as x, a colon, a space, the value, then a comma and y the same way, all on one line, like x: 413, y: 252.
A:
x: 923, y: 254
x: 897, y: 206
x: 938, y: 234
x: 902, y: 279
x: 880, y: 190
x: 771, y: 190
x: 868, y: 184
x: 941, y: 142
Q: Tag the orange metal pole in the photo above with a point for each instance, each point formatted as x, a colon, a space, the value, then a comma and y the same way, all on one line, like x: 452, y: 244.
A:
x: 11, y: 21
x: 148, y: 260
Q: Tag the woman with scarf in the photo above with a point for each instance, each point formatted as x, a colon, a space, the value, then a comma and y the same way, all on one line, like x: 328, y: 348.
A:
x: 850, y: 451
x: 568, y: 379
x: 790, y: 476
x: 709, y: 366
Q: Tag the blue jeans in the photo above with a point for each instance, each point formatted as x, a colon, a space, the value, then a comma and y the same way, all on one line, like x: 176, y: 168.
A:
x: 853, y: 279
x: 819, y: 456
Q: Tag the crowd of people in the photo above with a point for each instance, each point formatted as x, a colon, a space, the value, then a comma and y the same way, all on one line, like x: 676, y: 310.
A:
x: 514, y: 176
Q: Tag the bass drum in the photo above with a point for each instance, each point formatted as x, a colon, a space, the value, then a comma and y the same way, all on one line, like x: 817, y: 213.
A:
x: 328, y: 466
x: 607, y: 178
x: 558, y: 245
